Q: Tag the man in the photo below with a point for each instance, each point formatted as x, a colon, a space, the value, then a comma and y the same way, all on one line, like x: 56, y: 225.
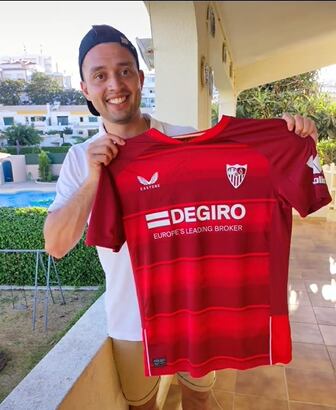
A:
x: 112, y: 84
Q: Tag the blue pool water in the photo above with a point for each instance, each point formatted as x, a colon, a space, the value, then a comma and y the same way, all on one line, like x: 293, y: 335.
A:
x: 26, y: 199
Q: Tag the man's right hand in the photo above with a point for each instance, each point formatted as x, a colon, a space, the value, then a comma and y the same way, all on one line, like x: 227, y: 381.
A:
x: 101, y: 152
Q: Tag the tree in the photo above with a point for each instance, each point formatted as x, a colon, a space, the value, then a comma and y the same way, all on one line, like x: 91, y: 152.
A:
x: 10, y: 91
x: 214, y: 114
x: 298, y: 94
x: 42, y: 89
x: 44, y: 166
x: 21, y: 135
x: 71, y: 97
x: 305, y: 83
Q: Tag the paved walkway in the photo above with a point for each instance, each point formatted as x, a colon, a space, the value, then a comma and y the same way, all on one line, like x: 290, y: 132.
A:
x: 10, y: 187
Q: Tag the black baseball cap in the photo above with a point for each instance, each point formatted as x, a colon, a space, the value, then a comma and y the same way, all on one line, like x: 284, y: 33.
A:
x: 102, y: 34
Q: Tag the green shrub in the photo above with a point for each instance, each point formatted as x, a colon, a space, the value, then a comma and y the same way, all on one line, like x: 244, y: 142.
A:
x: 36, y: 149
x: 22, y: 228
x: 30, y: 150
x: 44, y: 166
x: 327, y: 151
x: 23, y: 150
x: 10, y: 149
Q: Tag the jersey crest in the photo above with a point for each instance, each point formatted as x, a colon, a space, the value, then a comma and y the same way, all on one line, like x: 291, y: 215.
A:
x: 236, y: 174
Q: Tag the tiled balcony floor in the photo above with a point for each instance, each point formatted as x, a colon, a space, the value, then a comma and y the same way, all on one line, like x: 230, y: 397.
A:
x: 309, y: 381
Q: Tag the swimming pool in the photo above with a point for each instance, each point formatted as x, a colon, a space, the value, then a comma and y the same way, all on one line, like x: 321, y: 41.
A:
x: 25, y: 199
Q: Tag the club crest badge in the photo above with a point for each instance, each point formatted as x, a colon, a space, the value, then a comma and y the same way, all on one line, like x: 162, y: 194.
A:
x: 236, y: 174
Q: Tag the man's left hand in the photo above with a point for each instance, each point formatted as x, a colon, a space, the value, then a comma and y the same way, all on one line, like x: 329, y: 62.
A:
x: 302, y: 126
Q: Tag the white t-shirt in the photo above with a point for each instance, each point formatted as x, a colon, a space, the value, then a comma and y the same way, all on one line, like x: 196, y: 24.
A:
x: 122, y: 311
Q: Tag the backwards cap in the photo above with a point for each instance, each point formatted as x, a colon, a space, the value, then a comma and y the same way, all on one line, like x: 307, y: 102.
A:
x: 98, y: 35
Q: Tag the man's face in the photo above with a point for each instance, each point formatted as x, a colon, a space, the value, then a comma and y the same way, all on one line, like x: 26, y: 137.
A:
x: 112, y: 82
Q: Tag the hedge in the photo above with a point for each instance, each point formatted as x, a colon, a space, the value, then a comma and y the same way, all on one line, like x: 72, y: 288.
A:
x: 36, y: 149
x: 23, y: 149
x: 22, y: 228
x: 55, y: 158
x: 56, y: 150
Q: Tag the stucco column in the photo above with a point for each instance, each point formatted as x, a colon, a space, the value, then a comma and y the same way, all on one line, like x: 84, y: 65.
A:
x: 183, y: 46
x: 176, y: 60
x: 214, y: 44
x: 227, y: 103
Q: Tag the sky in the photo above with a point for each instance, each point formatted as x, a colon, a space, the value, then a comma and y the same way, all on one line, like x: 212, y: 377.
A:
x: 57, y: 28
x: 328, y: 74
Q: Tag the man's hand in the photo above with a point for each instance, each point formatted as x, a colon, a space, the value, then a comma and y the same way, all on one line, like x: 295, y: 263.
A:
x: 102, y: 151
x: 302, y: 126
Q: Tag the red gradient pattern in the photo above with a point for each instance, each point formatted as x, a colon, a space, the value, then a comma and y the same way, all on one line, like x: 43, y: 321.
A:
x: 208, y: 226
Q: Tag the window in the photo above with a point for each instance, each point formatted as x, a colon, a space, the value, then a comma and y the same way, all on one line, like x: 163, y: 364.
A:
x: 62, y: 120
x: 81, y: 119
x: 37, y: 119
x: 8, y: 120
x: 93, y: 119
x: 92, y: 132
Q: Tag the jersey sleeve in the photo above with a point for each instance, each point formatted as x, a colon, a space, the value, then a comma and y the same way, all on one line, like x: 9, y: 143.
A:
x: 301, y: 182
x: 106, y: 223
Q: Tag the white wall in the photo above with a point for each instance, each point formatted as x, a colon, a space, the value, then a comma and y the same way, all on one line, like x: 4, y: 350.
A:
x: 33, y: 170
x: 19, y: 167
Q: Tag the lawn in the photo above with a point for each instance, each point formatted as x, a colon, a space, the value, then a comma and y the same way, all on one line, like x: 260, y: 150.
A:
x: 21, y: 348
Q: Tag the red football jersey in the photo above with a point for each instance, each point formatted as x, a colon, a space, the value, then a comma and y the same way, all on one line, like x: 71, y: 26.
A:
x: 208, y: 226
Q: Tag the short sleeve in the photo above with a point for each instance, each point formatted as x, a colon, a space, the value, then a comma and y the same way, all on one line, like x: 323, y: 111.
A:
x: 72, y: 176
x: 301, y: 183
x: 106, y: 223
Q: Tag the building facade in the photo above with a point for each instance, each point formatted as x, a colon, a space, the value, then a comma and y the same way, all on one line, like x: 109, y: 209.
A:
x: 53, y: 121
x: 22, y: 67
x: 148, y: 91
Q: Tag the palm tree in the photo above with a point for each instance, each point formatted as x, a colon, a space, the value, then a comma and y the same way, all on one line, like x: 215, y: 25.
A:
x: 21, y: 135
